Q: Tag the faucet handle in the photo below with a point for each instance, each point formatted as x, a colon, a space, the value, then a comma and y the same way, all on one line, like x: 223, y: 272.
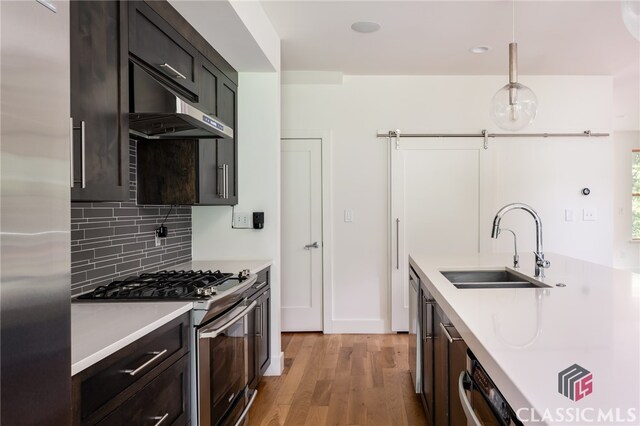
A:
x: 540, y: 260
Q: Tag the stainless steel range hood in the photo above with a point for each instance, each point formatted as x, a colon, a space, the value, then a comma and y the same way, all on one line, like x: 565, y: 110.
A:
x: 157, y: 112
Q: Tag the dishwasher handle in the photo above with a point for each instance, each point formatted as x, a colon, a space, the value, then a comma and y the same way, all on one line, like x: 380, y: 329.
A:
x: 463, y: 382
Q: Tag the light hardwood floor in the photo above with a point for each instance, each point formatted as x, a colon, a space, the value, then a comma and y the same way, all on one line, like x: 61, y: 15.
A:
x: 340, y: 380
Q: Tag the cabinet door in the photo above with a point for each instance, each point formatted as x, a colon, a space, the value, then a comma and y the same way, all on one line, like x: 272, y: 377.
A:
x: 154, y: 42
x: 457, y: 364
x: 227, y: 164
x: 99, y: 101
x: 252, y: 349
x: 427, y: 356
x: 440, y: 368
x: 209, y: 84
x: 165, y: 400
x: 264, y: 332
x: 209, y: 177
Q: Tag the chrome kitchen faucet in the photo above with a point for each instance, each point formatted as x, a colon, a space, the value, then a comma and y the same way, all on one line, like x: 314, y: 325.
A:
x: 540, y: 263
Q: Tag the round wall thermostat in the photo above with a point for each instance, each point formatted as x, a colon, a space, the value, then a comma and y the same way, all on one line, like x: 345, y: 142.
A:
x: 586, y: 191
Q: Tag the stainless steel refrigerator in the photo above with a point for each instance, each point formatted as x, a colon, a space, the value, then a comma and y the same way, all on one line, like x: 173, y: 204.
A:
x: 35, y: 348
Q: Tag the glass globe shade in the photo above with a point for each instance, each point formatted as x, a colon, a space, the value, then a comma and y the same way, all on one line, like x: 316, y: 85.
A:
x: 514, y: 107
x: 631, y: 16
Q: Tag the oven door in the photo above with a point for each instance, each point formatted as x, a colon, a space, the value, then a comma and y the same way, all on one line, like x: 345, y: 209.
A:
x: 222, y: 368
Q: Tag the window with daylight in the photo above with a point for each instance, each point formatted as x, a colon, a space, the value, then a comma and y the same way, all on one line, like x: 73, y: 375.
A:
x: 635, y: 194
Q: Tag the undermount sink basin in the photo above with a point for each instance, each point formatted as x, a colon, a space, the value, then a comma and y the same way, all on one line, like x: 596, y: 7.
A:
x: 489, y: 279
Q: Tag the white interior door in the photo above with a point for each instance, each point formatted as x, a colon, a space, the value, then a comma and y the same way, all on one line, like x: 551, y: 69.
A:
x: 301, y: 235
x: 436, y: 192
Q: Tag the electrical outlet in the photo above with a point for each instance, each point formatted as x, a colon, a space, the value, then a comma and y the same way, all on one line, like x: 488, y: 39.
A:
x: 589, y: 214
x: 158, y: 241
x: 242, y: 220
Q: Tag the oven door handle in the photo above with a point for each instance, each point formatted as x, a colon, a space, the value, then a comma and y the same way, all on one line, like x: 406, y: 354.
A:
x: 246, y: 409
x: 472, y: 419
x: 210, y: 333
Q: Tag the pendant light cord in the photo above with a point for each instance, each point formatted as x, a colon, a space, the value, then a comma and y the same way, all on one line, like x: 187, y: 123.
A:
x: 513, y: 21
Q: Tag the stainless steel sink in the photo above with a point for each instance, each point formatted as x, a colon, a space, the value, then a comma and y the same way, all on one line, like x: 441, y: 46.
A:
x: 489, y: 279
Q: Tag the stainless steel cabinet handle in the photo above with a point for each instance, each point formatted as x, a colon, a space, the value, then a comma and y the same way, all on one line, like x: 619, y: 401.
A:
x: 221, y: 182
x: 259, y: 333
x: 71, y: 149
x: 446, y: 333
x: 146, y: 364
x: 246, y: 409
x: 84, y: 155
x: 312, y: 245
x: 160, y: 419
x: 472, y: 419
x: 226, y: 181
x: 262, y: 284
x: 223, y: 190
x: 176, y: 73
x: 210, y: 334
x: 397, y: 243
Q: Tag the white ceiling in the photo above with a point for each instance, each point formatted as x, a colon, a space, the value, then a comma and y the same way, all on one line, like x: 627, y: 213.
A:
x: 434, y: 37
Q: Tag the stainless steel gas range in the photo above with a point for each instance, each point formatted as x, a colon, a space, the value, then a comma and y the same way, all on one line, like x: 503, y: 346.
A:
x: 222, y: 303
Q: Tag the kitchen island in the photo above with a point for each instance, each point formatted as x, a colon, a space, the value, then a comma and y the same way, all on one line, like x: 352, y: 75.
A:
x: 524, y: 337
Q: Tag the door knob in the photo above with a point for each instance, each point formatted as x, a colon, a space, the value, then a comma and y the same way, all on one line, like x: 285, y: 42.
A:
x: 312, y: 245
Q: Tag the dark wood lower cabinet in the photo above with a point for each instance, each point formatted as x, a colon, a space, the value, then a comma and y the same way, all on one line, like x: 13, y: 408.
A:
x: 260, y: 329
x: 263, y: 332
x: 165, y: 398
x: 444, y: 356
x: 146, y: 379
x: 440, y: 368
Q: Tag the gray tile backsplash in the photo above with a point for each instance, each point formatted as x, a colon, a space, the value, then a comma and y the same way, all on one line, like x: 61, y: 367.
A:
x: 111, y: 240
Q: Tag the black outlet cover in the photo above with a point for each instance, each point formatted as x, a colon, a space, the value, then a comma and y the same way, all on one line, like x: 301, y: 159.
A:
x: 161, y: 232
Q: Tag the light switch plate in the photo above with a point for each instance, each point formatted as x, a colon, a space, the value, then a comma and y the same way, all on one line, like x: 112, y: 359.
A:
x: 568, y: 215
x: 348, y: 215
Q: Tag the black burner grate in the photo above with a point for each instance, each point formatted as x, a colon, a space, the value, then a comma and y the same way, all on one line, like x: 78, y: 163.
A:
x: 159, y: 285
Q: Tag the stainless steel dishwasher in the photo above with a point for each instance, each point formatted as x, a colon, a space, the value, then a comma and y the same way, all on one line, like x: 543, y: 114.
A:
x: 481, y: 400
x: 415, y: 331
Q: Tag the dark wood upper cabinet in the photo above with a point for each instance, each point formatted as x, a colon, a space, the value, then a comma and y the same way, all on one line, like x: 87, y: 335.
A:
x: 157, y: 44
x: 99, y: 101
x: 186, y: 172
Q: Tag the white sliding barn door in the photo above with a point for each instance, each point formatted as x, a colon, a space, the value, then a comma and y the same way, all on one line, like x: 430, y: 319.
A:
x: 436, y: 192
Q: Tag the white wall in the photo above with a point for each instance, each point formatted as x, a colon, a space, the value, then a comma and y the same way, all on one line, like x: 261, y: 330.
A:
x: 259, y: 190
x: 548, y: 174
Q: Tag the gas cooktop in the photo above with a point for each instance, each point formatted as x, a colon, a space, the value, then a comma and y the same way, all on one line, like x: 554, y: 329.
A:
x: 166, y: 285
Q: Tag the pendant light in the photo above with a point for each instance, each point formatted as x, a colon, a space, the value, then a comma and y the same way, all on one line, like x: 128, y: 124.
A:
x: 514, y: 106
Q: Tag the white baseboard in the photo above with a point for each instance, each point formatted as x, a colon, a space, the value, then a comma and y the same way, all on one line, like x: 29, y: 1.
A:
x: 358, y: 327
x: 276, y: 366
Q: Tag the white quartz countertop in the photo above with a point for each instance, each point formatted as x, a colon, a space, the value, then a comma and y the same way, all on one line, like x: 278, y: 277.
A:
x: 100, y: 329
x: 525, y: 337
x: 255, y: 265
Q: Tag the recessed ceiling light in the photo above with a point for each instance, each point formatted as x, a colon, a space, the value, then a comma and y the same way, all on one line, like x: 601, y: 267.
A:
x: 365, y: 27
x: 480, y: 49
